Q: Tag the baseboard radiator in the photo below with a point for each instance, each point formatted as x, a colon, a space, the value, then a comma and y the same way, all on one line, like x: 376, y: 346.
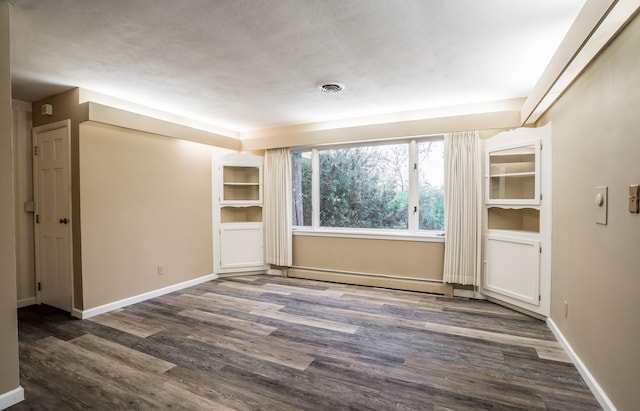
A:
x: 373, y: 280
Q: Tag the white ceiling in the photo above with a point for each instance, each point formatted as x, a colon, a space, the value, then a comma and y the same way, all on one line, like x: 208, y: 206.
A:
x: 253, y: 64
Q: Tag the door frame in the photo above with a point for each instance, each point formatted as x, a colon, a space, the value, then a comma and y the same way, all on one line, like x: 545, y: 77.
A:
x: 36, y: 227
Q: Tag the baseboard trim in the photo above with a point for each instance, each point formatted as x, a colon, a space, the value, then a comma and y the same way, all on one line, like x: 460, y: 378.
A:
x: 25, y: 302
x: 92, y: 312
x: 272, y: 271
x: 11, y: 397
x: 458, y: 292
x: 595, y: 388
x: 241, y: 274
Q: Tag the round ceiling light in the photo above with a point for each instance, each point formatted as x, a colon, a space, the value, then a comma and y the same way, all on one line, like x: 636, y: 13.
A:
x: 331, y: 87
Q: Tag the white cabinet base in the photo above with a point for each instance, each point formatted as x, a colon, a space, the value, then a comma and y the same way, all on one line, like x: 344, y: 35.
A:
x: 241, y: 246
x: 512, y: 267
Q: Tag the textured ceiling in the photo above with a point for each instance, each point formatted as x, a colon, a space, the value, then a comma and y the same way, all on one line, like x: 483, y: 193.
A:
x: 253, y: 64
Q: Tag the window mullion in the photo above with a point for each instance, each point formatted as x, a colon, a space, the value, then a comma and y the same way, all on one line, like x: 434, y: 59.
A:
x: 315, y: 189
x: 413, y: 187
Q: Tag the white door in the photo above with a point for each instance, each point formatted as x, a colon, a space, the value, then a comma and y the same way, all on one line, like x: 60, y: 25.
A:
x: 52, y: 194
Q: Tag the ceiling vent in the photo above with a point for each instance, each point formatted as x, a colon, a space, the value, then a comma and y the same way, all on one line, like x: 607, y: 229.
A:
x: 331, y: 87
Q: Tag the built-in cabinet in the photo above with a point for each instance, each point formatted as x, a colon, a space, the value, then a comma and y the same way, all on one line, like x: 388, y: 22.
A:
x: 517, y: 218
x: 237, y: 214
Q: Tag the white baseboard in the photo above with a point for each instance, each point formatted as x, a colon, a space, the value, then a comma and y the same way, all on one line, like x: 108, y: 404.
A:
x: 11, y: 398
x: 241, y: 273
x: 468, y: 294
x: 271, y: 271
x: 25, y: 302
x: 595, y: 388
x: 84, y: 314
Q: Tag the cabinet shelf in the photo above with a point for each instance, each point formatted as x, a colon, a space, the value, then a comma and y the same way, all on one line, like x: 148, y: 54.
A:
x: 513, y: 175
x: 232, y: 174
x: 522, y: 174
x: 241, y: 192
x: 515, y: 219
x: 241, y: 214
x: 242, y: 184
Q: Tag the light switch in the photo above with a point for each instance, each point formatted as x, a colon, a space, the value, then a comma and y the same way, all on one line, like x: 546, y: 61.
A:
x: 634, y: 198
x: 600, y: 205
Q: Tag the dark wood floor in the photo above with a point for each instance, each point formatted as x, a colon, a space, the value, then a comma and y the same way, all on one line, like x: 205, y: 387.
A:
x: 271, y: 343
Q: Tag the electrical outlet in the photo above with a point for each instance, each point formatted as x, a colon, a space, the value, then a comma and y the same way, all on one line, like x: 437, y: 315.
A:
x: 160, y: 270
x: 566, y: 309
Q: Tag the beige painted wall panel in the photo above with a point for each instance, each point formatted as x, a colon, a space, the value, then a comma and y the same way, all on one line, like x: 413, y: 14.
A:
x: 595, y: 268
x: 65, y: 106
x: 412, y: 259
x: 146, y: 201
x: 9, y: 373
x: 122, y: 118
x: 297, y: 136
x: 23, y: 180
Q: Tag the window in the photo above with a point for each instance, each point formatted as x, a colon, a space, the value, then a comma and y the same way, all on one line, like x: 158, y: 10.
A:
x: 301, y: 187
x: 365, y: 187
x: 430, y: 185
x: 390, y: 186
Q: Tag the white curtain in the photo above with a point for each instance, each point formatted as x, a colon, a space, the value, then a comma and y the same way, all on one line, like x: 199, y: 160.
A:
x: 277, y: 207
x: 463, y: 202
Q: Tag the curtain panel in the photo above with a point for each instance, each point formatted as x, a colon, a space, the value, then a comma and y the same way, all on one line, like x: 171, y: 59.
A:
x: 463, y: 206
x: 277, y: 207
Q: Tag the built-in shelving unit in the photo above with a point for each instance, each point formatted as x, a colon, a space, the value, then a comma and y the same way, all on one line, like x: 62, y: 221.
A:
x: 241, y: 185
x: 516, y: 220
x: 238, y: 225
x: 513, y: 175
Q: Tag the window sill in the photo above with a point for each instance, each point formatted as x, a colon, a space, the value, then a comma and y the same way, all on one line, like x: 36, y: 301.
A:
x: 370, y: 234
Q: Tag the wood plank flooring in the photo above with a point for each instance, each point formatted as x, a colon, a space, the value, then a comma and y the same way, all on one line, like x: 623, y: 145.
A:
x: 271, y: 343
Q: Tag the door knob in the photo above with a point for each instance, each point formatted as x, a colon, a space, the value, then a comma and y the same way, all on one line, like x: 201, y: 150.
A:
x: 63, y: 221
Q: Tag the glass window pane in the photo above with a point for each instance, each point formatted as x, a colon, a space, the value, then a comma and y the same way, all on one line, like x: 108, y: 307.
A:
x: 431, y: 185
x: 365, y: 187
x: 301, y: 188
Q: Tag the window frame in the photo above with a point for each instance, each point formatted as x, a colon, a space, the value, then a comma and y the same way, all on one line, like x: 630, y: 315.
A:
x: 412, y: 233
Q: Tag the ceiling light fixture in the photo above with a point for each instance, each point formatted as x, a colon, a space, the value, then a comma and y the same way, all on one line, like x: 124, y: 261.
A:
x: 331, y: 87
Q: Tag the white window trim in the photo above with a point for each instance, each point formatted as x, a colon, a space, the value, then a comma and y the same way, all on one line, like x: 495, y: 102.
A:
x: 413, y: 233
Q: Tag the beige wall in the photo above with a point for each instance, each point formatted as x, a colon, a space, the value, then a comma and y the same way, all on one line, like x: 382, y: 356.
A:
x: 23, y: 181
x: 9, y: 373
x: 145, y: 201
x: 404, y: 264
x: 595, y: 268
x: 65, y: 106
x: 296, y: 136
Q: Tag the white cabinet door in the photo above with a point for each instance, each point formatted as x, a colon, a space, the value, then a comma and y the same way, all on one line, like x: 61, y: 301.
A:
x: 512, y: 268
x: 512, y: 169
x: 241, y: 245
